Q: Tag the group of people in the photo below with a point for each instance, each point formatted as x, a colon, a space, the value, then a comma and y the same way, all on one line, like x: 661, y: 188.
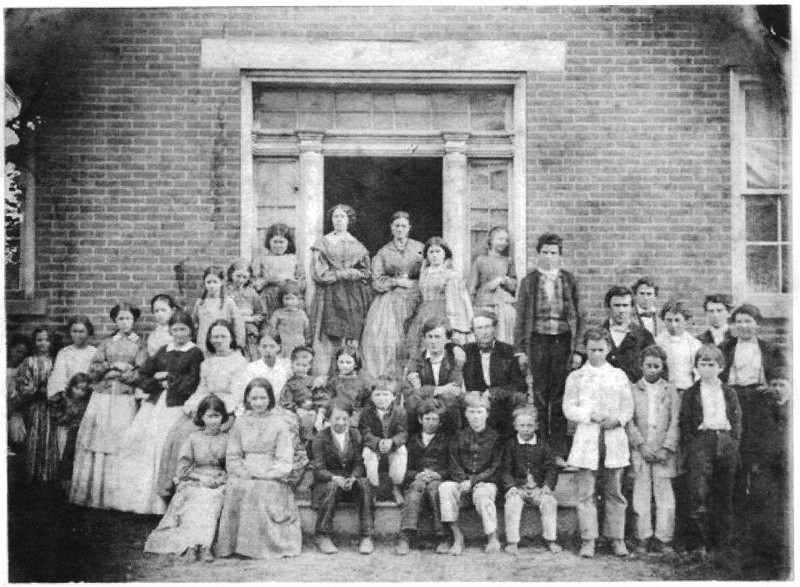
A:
x: 463, y: 389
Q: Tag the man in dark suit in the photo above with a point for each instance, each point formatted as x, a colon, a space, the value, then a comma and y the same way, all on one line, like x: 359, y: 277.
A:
x: 435, y: 373
x: 718, y: 309
x: 492, y: 369
x: 629, y: 338
x: 339, y: 469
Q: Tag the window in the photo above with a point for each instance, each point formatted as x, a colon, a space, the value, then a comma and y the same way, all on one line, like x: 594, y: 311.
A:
x: 488, y: 200
x: 761, y: 178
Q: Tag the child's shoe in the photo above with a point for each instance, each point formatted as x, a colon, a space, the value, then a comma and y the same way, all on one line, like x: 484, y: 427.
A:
x: 587, y: 549
x: 619, y: 548
x: 443, y: 547
x: 492, y: 545
x: 326, y: 545
x: 366, y: 546
x: 554, y: 547
x: 512, y: 548
x: 206, y: 555
x: 402, y: 547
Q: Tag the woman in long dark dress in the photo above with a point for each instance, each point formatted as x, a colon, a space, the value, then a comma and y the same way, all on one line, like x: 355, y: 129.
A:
x: 341, y: 272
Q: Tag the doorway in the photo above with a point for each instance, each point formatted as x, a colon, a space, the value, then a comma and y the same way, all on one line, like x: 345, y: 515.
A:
x: 377, y: 187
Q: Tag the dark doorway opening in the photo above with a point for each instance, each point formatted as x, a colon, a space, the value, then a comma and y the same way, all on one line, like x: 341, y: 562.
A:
x: 377, y: 187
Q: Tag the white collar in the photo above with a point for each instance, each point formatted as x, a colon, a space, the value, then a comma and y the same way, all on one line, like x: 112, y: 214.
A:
x: 531, y: 442
x: 432, y: 360
x: 188, y: 346
x: 550, y: 273
x: 132, y: 336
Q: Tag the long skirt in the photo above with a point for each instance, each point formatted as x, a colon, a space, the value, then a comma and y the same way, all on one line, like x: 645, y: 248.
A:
x: 180, y: 431
x: 105, y: 423
x: 41, y: 446
x: 260, y: 519
x: 136, y: 476
x: 382, y: 343
x: 344, y: 308
x: 191, y: 519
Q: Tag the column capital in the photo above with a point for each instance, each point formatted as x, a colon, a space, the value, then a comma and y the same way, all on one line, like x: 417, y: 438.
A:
x: 310, y: 141
x: 455, y: 142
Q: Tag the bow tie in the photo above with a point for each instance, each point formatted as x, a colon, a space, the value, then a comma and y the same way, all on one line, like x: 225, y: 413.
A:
x: 486, y: 350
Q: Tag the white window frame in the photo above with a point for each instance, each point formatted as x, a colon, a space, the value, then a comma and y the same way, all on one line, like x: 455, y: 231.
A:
x: 772, y: 305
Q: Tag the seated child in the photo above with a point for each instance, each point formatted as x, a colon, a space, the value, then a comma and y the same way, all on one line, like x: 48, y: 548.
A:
x: 598, y: 398
x: 679, y: 346
x: 68, y: 409
x: 349, y: 384
x: 529, y: 474
x: 297, y: 394
x: 270, y: 366
x: 428, y: 461
x: 653, y: 438
x: 190, y: 523
x: 711, y: 425
x: 338, y: 470
x: 474, y: 461
x: 383, y: 427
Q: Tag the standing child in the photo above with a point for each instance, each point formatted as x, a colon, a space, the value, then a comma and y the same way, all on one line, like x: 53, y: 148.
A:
x: 110, y: 412
x: 249, y: 303
x: 338, y: 468
x: 383, y: 428
x: 711, y: 424
x: 718, y: 309
x: 679, y: 345
x: 653, y: 437
x: 290, y: 322
x: 474, y: 461
x: 162, y: 306
x: 298, y: 394
x: 529, y: 474
x: 428, y: 463
x: 493, y: 284
x: 598, y: 398
x: 190, y: 523
x: 215, y: 304
x: 270, y: 366
x: 68, y: 410
x: 277, y: 266
x: 41, y: 444
x: 17, y: 349
x: 349, y: 385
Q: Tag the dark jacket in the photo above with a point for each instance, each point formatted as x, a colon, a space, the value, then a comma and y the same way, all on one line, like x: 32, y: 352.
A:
x: 707, y: 338
x: 519, y: 460
x: 771, y: 358
x: 435, y: 456
x: 692, y: 413
x: 373, y: 430
x: 328, y: 460
x: 626, y: 355
x: 527, y: 298
x: 475, y: 456
x: 184, y: 375
x: 504, y: 372
x: 448, y: 373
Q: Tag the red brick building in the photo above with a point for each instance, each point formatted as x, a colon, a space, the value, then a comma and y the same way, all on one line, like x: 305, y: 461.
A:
x: 652, y: 138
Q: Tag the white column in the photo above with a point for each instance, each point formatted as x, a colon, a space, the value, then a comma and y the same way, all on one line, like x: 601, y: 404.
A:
x: 455, y: 203
x: 311, y: 205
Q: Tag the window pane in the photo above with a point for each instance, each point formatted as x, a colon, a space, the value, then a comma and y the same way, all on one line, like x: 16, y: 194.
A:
x: 484, y: 122
x: 413, y: 120
x: 353, y: 102
x: 315, y: 101
x: 762, y: 269
x: 282, y: 120
x: 761, y: 219
x: 487, y: 102
x: 786, y: 268
x: 762, y: 117
x: 315, y: 120
x: 407, y: 102
x: 354, y: 120
x: 786, y: 165
x: 278, y: 100
x: 451, y: 102
x: 762, y: 164
x: 786, y: 234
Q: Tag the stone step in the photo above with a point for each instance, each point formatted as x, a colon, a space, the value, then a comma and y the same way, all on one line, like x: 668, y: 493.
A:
x: 387, y: 515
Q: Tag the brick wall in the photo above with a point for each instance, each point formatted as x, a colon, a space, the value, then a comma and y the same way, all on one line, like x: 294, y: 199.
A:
x: 628, y: 149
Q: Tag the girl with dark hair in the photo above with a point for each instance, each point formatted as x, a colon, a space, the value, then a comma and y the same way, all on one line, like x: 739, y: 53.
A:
x: 162, y: 306
x: 290, y: 322
x: 110, y: 412
x: 74, y: 358
x: 493, y: 283
x: 260, y: 518
x: 217, y: 374
x: 68, y: 410
x: 190, y: 523
x: 251, y: 307
x: 395, y: 280
x: 168, y: 378
x: 41, y: 444
x: 443, y: 295
x: 17, y: 348
x: 279, y: 265
x: 215, y: 304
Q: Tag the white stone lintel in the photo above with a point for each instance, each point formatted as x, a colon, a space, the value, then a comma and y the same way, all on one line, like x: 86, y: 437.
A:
x: 310, y: 54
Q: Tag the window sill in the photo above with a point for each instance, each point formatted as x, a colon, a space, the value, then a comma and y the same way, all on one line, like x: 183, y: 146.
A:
x: 23, y: 307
